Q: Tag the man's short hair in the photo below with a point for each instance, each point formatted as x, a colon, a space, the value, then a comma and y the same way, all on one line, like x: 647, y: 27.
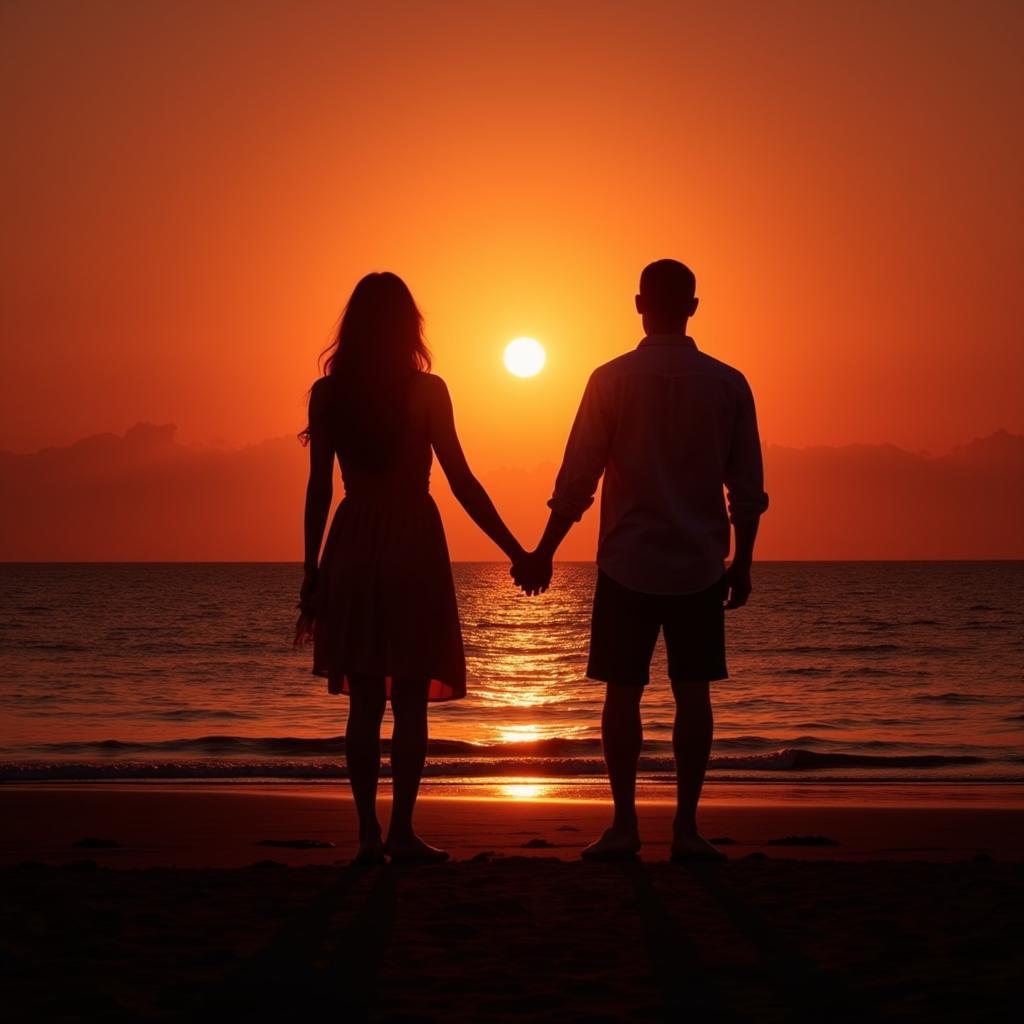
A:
x: 668, y: 287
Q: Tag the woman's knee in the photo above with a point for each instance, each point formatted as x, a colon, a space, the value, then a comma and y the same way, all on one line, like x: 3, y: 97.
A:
x: 367, y: 698
x: 409, y: 697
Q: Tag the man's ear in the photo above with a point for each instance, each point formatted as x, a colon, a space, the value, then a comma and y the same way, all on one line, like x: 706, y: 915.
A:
x: 694, y: 305
x: 639, y: 300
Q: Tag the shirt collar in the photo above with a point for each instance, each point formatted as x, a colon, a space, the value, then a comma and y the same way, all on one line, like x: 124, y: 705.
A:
x: 668, y: 339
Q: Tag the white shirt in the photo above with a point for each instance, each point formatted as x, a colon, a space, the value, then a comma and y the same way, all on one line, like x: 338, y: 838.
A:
x: 667, y: 426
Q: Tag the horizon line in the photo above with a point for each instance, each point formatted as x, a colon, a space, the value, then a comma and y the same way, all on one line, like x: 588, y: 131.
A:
x: 499, y: 561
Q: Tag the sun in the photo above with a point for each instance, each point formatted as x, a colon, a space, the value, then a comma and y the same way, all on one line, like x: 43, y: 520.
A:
x: 524, y: 357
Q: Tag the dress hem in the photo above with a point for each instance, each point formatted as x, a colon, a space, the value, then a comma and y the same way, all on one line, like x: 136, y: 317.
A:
x: 439, y: 691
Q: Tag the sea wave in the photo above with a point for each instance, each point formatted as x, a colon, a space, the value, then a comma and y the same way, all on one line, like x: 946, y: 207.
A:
x: 951, y: 698
x: 797, y: 759
x: 779, y: 762
x: 747, y: 748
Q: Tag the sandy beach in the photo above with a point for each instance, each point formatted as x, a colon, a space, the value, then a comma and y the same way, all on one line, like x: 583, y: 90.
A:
x: 174, y: 903
x: 143, y: 825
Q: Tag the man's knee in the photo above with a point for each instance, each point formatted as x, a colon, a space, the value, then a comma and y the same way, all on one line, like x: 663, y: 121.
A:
x: 691, y: 694
x: 619, y: 695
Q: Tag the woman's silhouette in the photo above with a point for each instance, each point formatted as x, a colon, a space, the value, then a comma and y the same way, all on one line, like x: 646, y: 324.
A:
x: 381, y: 607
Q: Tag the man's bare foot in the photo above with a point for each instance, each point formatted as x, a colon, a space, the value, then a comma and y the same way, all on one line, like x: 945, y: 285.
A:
x: 615, y: 844
x: 695, y: 849
x: 411, y: 849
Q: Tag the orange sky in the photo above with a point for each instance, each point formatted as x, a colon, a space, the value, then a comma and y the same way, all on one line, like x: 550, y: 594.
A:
x: 192, y: 190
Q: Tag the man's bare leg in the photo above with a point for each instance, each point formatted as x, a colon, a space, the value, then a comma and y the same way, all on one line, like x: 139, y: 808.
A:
x: 691, y: 741
x: 622, y: 736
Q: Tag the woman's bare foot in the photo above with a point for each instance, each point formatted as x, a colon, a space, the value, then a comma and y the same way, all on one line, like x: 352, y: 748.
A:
x: 370, y: 849
x: 617, y: 843
x: 695, y: 848
x: 410, y: 849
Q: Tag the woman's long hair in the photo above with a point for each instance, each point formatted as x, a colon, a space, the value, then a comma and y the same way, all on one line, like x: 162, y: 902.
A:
x: 378, y: 347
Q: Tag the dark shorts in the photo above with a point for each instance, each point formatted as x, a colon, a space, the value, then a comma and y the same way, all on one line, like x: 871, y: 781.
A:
x: 625, y: 629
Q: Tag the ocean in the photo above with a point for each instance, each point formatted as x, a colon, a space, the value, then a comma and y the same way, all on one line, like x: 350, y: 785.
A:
x: 839, y: 672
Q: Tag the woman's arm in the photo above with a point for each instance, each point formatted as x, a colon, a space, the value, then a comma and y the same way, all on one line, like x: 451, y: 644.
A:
x: 469, y: 492
x: 320, y: 488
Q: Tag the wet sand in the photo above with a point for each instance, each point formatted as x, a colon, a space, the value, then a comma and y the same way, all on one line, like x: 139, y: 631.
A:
x: 223, y: 826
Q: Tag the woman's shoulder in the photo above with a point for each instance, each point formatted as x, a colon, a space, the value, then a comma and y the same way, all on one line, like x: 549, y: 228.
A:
x: 322, y: 396
x: 429, y: 385
x: 321, y: 389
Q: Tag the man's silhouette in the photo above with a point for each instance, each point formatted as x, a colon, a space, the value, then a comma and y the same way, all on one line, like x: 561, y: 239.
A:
x: 667, y: 426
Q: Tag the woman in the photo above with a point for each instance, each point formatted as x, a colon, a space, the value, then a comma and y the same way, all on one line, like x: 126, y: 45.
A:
x: 381, y: 606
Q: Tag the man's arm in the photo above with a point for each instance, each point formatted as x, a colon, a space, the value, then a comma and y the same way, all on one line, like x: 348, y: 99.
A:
x: 738, y: 573
x: 586, y: 455
x: 554, y: 533
x: 744, y: 482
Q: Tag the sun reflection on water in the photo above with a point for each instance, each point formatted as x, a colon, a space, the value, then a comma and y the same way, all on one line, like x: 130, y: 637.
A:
x: 527, y: 733
x: 529, y: 790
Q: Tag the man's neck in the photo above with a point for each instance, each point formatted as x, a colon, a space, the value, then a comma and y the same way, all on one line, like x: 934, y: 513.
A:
x: 653, y: 327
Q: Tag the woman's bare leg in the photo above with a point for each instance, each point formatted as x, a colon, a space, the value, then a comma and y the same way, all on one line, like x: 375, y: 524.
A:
x: 408, y: 755
x: 367, y: 700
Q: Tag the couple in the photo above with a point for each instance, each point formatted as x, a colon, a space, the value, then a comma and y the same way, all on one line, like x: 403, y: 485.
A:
x: 667, y: 427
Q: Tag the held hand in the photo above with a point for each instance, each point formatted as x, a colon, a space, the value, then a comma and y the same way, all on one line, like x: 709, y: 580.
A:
x: 532, y: 573
x: 531, y: 576
x: 738, y: 579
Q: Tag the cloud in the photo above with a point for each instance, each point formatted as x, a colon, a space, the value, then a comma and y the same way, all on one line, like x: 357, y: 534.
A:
x: 145, y: 496
x: 879, y: 501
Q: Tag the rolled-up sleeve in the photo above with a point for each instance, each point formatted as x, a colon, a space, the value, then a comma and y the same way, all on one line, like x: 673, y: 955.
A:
x: 586, y: 455
x: 744, y: 473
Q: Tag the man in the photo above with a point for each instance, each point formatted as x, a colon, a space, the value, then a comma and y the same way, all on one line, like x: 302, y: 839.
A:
x: 667, y: 426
